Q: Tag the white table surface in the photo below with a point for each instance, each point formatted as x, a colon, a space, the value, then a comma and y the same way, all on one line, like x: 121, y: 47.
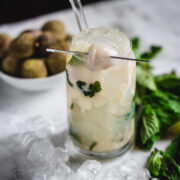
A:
x: 155, y: 22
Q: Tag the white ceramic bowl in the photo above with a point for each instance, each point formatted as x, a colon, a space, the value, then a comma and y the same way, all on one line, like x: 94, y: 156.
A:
x: 37, y: 84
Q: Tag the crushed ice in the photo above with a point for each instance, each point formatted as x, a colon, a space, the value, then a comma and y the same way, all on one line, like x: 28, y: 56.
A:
x: 34, y: 156
x: 128, y: 170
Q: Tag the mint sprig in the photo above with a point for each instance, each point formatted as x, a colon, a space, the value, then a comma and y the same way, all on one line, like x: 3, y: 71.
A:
x: 166, y: 165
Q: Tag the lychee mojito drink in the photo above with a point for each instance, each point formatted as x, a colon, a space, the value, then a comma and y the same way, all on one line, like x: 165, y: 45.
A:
x: 100, y: 92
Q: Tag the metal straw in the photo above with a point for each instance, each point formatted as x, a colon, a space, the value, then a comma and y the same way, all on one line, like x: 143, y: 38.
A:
x: 79, y: 14
x: 83, y: 53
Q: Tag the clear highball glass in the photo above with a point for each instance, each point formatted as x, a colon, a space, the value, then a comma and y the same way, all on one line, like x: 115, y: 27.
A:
x: 101, y: 100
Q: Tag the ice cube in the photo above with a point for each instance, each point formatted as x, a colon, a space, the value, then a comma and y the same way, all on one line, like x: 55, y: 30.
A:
x: 27, y: 139
x: 60, y: 156
x: 89, y: 169
x: 74, y: 176
x: 114, y: 174
x: 70, y: 146
x: 41, y: 151
x: 62, y: 170
x: 143, y: 174
x: 48, y: 173
x: 128, y: 170
x: 39, y: 174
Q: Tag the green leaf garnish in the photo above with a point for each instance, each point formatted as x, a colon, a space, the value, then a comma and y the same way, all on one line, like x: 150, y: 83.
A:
x: 173, y: 169
x: 75, y: 136
x: 72, y: 106
x: 157, y: 108
x: 135, y: 47
x: 89, y: 90
x: 145, y: 78
x: 162, y: 166
x: 96, y: 87
x: 160, y: 92
x: 173, y: 150
x: 150, y: 124
x: 147, y: 55
x: 92, y: 145
x: 166, y: 107
x: 153, y: 51
x: 68, y: 80
x: 169, y: 83
x: 81, y: 84
x: 154, y: 164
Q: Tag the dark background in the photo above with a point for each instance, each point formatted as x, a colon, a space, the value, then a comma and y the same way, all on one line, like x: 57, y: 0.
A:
x: 15, y: 10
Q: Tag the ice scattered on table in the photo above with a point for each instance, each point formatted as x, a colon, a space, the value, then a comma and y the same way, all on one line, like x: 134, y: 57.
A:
x: 49, y: 173
x: 58, y: 155
x: 30, y: 155
x: 89, y: 169
x: 41, y: 152
x: 128, y: 170
x: 36, y: 158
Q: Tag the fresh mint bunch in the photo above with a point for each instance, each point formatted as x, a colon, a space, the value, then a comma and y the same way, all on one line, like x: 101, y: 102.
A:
x: 157, y: 99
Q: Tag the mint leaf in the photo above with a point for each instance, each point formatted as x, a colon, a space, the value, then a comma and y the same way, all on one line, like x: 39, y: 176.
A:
x: 162, y: 166
x: 145, y: 78
x: 81, y: 84
x: 92, y: 145
x: 75, y: 136
x: 140, y: 94
x: 96, y: 87
x: 72, y: 106
x: 89, y: 90
x: 147, y: 55
x: 68, y: 80
x: 168, y: 99
x: 150, y: 124
x: 166, y: 107
x: 154, y: 164
x: 149, y: 144
x: 173, y: 150
x: 135, y: 47
x: 171, y: 163
x: 153, y: 51
x: 169, y: 83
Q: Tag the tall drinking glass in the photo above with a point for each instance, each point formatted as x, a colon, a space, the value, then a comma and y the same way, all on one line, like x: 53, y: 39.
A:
x: 100, y: 93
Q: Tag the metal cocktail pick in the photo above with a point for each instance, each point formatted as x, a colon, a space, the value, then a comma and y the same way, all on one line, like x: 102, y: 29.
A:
x: 83, y: 53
